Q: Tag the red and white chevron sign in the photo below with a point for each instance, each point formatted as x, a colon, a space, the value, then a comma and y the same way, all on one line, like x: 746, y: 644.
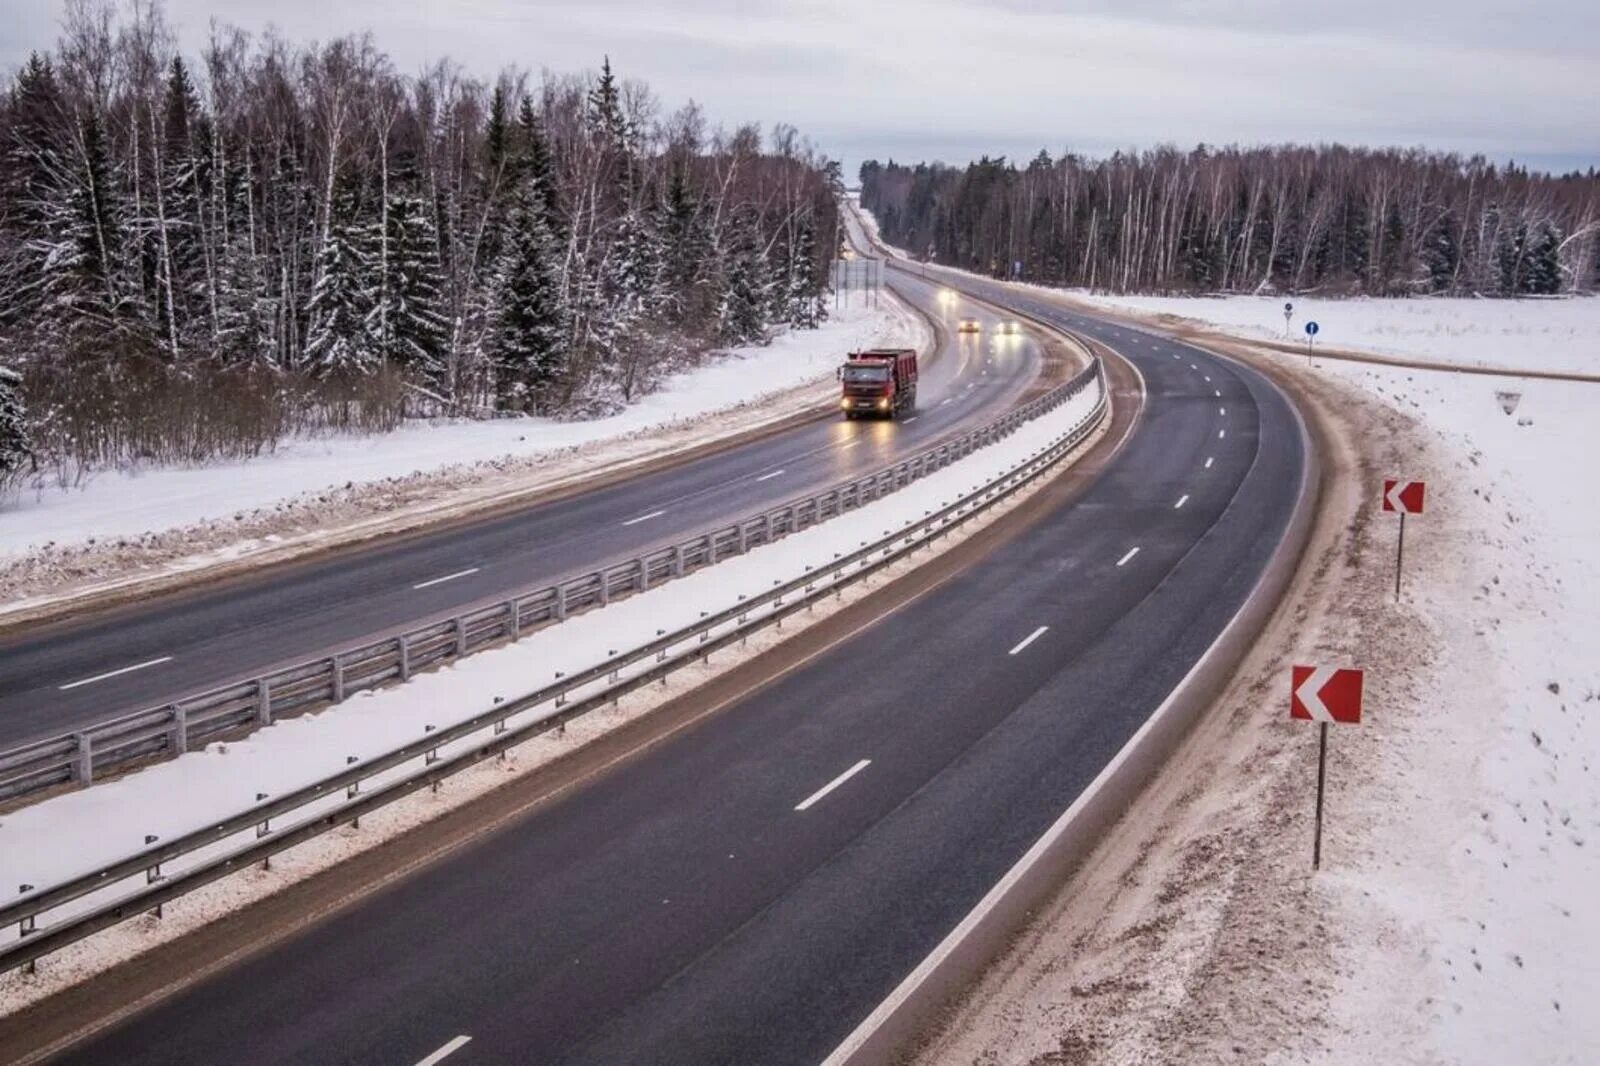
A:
x: 1402, y: 496
x: 1325, y: 694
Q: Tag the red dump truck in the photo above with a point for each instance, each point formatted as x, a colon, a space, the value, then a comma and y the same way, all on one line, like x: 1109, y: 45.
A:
x: 879, y: 382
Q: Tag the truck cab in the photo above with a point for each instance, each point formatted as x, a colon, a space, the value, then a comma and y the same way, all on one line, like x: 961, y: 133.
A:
x: 878, y: 383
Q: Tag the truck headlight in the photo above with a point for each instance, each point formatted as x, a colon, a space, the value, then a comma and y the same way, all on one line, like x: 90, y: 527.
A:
x: 883, y: 402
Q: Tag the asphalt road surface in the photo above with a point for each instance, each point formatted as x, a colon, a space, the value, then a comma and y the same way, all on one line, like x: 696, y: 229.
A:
x: 749, y: 890
x: 62, y: 678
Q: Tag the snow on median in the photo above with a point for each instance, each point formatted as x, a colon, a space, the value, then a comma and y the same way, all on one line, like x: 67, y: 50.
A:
x: 110, y: 821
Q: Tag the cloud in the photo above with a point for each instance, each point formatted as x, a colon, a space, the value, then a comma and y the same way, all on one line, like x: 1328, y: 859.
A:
x: 956, y: 78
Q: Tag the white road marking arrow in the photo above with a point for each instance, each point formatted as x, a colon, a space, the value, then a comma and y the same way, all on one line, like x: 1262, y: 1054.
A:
x: 1310, y: 693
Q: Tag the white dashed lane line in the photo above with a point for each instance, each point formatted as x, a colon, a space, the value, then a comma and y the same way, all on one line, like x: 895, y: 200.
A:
x: 769, y: 477
x: 1208, y: 462
x: 831, y: 785
x: 1181, y: 501
x: 448, y: 577
x: 1128, y: 558
x: 114, y: 673
x: 644, y: 518
x: 450, y: 1048
x: 1029, y: 639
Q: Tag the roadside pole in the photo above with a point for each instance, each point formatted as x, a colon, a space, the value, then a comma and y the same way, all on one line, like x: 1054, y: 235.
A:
x: 1311, y: 340
x: 1404, y: 497
x: 1288, y: 321
x: 1325, y: 695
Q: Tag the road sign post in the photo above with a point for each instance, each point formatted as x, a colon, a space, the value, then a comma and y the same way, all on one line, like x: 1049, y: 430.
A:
x: 1311, y: 340
x: 1325, y: 695
x: 1288, y: 317
x: 1404, y: 497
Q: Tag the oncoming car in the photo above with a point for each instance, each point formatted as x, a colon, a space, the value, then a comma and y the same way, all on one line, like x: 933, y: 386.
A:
x: 968, y: 325
x: 1010, y: 328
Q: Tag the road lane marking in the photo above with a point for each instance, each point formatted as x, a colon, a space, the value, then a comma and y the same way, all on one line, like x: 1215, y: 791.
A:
x: 1029, y: 639
x: 1194, y: 368
x: 835, y: 783
x: 644, y: 518
x: 1127, y: 558
x: 1208, y: 378
x: 944, y: 401
x: 848, y: 444
x: 1181, y: 501
x: 1223, y: 411
x: 1221, y: 433
x: 442, y: 580
x: 910, y: 420
x: 1217, y: 393
x: 114, y: 673
x: 455, y: 1045
x: 769, y: 477
x: 1208, y: 462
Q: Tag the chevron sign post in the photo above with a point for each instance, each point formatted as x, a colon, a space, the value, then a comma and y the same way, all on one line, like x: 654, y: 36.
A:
x: 1404, y: 497
x: 1324, y: 694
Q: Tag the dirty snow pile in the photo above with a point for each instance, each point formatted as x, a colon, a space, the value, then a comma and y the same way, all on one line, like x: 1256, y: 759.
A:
x: 129, y: 503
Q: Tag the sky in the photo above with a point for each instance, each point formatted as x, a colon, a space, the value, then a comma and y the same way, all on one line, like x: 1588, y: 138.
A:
x: 956, y: 79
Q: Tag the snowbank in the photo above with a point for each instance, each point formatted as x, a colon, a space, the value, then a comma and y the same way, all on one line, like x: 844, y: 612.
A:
x: 134, y: 502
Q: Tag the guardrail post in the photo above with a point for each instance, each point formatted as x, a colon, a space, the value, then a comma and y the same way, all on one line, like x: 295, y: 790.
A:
x: 513, y: 619
x: 178, y: 736
x: 336, y: 669
x: 605, y: 587
x: 677, y: 560
x: 644, y: 573
x: 263, y: 702
x: 561, y: 603
x: 83, y: 760
x: 744, y: 538
x: 405, y: 657
x: 461, y: 636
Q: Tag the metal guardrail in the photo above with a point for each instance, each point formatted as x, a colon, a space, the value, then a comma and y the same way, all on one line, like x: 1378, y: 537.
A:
x: 229, y: 711
x: 340, y: 799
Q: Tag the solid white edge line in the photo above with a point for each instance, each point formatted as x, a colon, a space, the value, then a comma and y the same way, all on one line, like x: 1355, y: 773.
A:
x: 450, y: 1048
x: 1126, y: 558
x: 1181, y: 501
x: 769, y: 477
x: 114, y: 673
x: 447, y: 577
x: 831, y: 785
x: 644, y: 518
x: 1029, y: 639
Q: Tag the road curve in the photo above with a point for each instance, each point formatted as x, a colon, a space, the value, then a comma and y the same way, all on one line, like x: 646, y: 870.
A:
x: 61, y: 678
x: 749, y: 890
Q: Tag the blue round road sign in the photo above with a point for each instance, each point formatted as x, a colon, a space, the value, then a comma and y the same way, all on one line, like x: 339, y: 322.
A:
x: 1311, y: 329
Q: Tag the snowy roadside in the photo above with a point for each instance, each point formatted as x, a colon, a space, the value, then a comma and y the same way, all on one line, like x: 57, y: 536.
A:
x: 175, y: 524
x: 1454, y: 919
x: 110, y: 821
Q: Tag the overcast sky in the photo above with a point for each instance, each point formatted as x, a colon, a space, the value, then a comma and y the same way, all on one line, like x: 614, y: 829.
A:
x: 955, y: 79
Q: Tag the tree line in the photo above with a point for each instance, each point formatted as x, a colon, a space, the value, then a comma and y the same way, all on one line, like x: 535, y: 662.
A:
x: 1288, y: 219
x: 198, y: 258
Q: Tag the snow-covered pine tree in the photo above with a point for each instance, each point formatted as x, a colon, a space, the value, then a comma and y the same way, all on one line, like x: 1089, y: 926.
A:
x: 184, y: 274
x: 1542, y: 274
x: 803, y: 304
x: 338, y: 343
x: 528, y: 342
x: 746, y: 285
x: 246, y: 310
x: 684, y: 253
x: 535, y: 165
x: 413, y: 333
x: 31, y: 185
x: 15, y: 451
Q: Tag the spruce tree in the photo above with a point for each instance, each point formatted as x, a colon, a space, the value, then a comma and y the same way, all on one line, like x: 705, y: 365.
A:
x: 15, y: 451
x: 528, y: 342
x: 1542, y: 274
x: 410, y: 329
x: 745, y: 290
x: 339, y: 343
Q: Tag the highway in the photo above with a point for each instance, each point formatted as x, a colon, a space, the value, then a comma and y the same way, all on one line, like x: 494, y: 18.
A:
x: 749, y: 890
x: 60, y: 678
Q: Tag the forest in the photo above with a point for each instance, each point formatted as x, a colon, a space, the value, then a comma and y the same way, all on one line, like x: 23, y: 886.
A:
x: 1285, y: 219
x: 202, y: 254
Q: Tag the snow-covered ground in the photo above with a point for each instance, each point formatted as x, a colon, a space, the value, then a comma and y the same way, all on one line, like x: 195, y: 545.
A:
x: 128, y: 503
x: 111, y: 820
x: 1535, y: 334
